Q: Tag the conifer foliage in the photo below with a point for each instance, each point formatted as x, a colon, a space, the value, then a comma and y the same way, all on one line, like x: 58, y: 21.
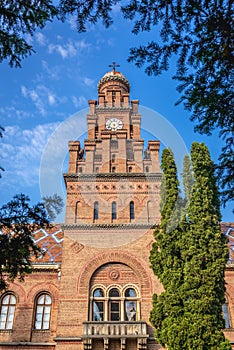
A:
x: 190, y: 260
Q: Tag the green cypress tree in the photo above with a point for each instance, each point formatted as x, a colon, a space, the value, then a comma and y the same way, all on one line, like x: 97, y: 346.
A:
x: 190, y: 260
x: 204, y: 252
x: 165, y: 257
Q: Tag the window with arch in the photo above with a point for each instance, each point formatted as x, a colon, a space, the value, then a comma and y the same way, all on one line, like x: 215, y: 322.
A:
x: 95, y: 211
x: 42, y: 312
x: 226, y: 316
x: 131, y: 210
x: 115, y: 304
x: 77, y: 211
x: 113, y: 169
x: 8, y: 304
x: 113, y: 158
x: 146, y: 169
x: 149, y: 210
x: 98, y: 305
x: 130, y: 169
x: 113, y: 211
x: 130, y: 304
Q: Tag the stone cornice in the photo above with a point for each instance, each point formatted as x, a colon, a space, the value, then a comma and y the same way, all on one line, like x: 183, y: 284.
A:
x: 96, y: 227
x: 46, y: 266
x: 113, y: 176
x: 114, y: 108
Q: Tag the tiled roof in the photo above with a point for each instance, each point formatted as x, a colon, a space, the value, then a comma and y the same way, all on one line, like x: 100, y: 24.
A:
x: 50, y: 240
x: 228, y: 230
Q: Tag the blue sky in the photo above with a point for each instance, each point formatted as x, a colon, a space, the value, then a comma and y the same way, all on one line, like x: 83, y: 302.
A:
x: 56, y: 83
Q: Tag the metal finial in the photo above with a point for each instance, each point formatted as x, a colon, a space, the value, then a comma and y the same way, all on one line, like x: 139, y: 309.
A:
x: 114, y: 65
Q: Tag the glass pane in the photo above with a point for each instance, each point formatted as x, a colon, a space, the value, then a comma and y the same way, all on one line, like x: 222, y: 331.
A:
x: 47, y: 310
x: 9, y: 325
x: 130, y: 310
x: 114, y: 292
x: 98, y: 308
x: 130, y: 292
x: 6, y: 299
x: 40, y: 300
x: 12, y: 299
x: 11, y: 309
x: 46, y: 317
x: 114, y: 316
x: 4, y: 310
x: 45, y: 325
x: 48, y: 300
x: 38, y: 317
x: 10, y: 317
x: 98, y: 293
x: 40, y: 309
x: 37, y: 325
x: 3, y: 317
x: 114, y: 306
x: 2, y: 325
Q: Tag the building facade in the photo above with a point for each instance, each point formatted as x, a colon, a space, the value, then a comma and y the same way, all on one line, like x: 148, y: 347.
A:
x: 92, y: 290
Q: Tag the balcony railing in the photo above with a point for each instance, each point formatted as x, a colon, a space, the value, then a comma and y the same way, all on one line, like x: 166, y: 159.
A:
x: 114, y: 329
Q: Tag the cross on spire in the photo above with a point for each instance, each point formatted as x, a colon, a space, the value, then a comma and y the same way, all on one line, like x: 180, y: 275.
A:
x: 114, y: 65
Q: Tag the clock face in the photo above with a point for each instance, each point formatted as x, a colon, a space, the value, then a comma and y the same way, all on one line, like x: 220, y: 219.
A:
x: 114, y: 124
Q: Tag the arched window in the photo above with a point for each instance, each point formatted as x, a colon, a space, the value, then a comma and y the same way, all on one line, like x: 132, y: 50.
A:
x: 42, y: 312
x: 95, y: 211
x: 8, y: 304
x: 113, y: 211
x: 149, y: 211
x: 226, y: 315
x: 130, y: 305
x: 113, y: 169
x: 80, y: 169
x: 98, y: 305
x: 146, y: 169
x: 114, y: 305
x: 113, y: 158
x: 131, y: 210
x: 77, y: 211
x: 130, y: 169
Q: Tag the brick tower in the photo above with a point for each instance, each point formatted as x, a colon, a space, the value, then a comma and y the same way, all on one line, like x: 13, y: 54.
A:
x: 92, y: 288
x: 112, y: 206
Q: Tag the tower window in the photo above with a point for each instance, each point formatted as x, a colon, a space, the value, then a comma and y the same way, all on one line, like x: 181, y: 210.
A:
x: 8, y: 304
x: 130, y: 169
x: 132, y: 211
x: 147, y: 169
x: 114, y: 144
x: 80, y: 169
x: 113, y: 158
x: 95, y: 211
x: 77, y: 211
x: 113, y: 169
x: 113, y: 211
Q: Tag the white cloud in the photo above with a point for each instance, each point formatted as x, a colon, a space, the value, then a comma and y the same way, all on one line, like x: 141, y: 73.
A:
x: 80, y: 101
x: 41, y: 96
x: 89, y: 82
x: 35, y: 97
x: 41, y: 39
x: 21, y: 151
x: 69, y: 49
